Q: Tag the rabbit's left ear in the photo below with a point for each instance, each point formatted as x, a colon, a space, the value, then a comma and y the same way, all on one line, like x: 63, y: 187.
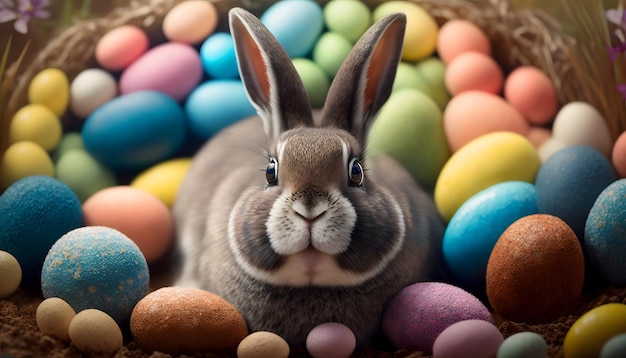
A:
x: 365, y: 79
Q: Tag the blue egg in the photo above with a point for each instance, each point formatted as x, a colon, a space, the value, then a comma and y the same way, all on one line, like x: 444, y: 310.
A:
x: 605, y: 233
x: 296, y: 24
x: 136, y: 130
x: 614, y: 347
x: 477, y: 225
x: 569, y: 182
x: 96, y: 267
x: 215, y: 105
x: 523, y: 345
x: 36, y: 212
x: 218, y: 56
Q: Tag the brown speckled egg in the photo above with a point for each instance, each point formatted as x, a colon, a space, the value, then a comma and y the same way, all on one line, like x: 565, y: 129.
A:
x: 186, y: 320
x: 536, y: 270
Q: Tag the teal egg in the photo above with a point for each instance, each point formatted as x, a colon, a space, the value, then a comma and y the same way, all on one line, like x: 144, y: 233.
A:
x: 330, y: 52
x: 523, y: 345
x: 296, y: 24
x: 217, y: 54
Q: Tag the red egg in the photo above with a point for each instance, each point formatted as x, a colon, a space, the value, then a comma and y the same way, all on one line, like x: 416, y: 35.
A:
x: 473, y: 71
x: 532, y: 93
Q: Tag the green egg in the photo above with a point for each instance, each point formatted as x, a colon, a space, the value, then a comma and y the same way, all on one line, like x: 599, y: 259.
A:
x: 409, y: 77
x: 315, y: 81
x: 433, y: 70
x: 350, y: 18
x: 409, y: 128
x: 83, y: 174
x: 69, y: 141
x: 330, y: 52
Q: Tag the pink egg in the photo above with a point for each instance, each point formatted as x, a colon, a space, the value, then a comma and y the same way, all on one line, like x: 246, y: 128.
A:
x: 137, y: 214
x: 120, y: 47
x: 619, y: 155
x: 331, y: 340
x: 538, y: 135
x: 473, y: 71
x: 472, y: 338
x: 172, y: 68
x: 532, y: 93
x: 190, y: 21
x: 458, y: 36
x: 473, y: 114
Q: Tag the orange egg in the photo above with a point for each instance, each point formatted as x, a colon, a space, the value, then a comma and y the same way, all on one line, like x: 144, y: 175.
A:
x: 538, y: 135
x: 532, y: 93
x: 619, y: 155
x: 472, y: 114
x: 473, y: 71
x: 458, y: 36
x: 120, y: 47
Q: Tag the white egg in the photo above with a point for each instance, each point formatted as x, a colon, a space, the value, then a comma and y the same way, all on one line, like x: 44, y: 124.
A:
x: 549, y: 147
x: 579, y: 123
x: 91, y: 89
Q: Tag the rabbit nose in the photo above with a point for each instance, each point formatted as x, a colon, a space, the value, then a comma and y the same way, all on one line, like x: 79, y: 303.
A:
x: 309, y: 214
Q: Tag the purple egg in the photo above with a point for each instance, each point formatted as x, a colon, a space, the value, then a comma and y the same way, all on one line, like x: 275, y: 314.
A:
x: 471, y: 338
x: 331, y: 340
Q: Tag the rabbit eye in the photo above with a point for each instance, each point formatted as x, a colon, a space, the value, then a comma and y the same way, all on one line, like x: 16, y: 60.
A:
x: 271, y: 171
x: 355, y: 172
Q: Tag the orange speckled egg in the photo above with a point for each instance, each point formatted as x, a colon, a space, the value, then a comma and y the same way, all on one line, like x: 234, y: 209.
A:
x: 532, y: 93
x: 473, y: 71
x: 458, y: 36
x: 120, y: 47
x: 536, y: 270
x: 618, y: 156
x: 472, y: 114
x: 139, y: 215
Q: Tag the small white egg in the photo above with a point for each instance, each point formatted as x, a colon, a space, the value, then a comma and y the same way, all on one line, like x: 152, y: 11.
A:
x: 91, y: 89
x: 11, y: 273
x: 579, y: 123
x: 94, y: 332
x: 54, y: 316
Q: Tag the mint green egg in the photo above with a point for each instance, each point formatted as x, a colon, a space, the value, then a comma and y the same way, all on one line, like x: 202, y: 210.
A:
x: 83, y: 174
x: 315, y: 80
x: 69, y: 141
x: 349, y: 18
x: 433, y: 70
x: 409, y: 77
x: 330, y: 52
x: 409, y: 128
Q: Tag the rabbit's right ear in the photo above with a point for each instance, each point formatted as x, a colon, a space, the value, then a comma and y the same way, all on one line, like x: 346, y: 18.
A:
x: 269, y: 76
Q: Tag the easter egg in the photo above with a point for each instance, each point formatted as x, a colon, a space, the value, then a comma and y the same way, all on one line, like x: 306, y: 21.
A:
x: 53, y: 317
x: 263, y: 344
x: 523, y: 345
x: 485, y: 161
x: 24, y: 159
x: 190, y: 21
x: 83, y: 173
x: 296, y: 24
x: 95, y: 333
x: 215, y: 105
x: 50, y: 88
x: 538, y: 136
x: 458, y: 36
x: 120, y: 47
x: 171, y: 68
x: 135, y: 130
x: 605, y: 233
x: 96, y: 267
x: 90, y: 89
x: 470, y: 338
x: 477, y: 225
x: 36, y: 123
x: 137, y: 214
x: 433, y: 72
x: 618, y: 157
x: 186, y: 320
x: 69, y: 141
x: 592, y: 330
x: 536, y: 270
x: 11, y: 273
x: 36, y: 212
x: 331, y: 339
x: 420, y: 37
x: 218, y: 56
x: 416, y: 315
x: 348, y: 18
x: 409, y: 129
x: 579, y: 123
x: 549, y: 147
x: 614, y: 347
x: 330, y: 51
x: 532, y: 93
x: 163, y: 179
x: 315, y: 80
x: 472, y: 114
x: 569, y: 182
x: 473, y: 71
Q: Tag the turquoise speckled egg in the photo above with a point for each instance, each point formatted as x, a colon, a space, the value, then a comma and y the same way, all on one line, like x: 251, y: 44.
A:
x: 96, y: 267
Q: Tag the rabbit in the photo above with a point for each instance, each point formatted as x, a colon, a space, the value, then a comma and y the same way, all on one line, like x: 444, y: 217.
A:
x: 306, y: 230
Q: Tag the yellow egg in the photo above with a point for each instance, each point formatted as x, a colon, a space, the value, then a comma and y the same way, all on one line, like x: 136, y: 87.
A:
x: 36, y: 123
x: 163, y: 179
x: 592, y: 330
x: 483, y: 162
x: 420, y: 37
x: 23, y: 159
x: 50, y: 88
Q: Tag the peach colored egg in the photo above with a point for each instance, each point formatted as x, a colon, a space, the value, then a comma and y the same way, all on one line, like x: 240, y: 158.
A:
x: 137, y: 214
x: 532, y: 93
x: 619, y: 155
x: 458, y: 36
x: 120, y: 47
x: 472, y: 114
x: 190, y: 21
x: 473, y: 71
x: 538, y: 135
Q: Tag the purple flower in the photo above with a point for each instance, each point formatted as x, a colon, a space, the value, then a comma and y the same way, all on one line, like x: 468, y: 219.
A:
x: 22, y: 12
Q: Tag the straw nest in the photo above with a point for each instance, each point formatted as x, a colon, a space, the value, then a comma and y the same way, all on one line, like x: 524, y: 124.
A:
x: 518, y: 37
